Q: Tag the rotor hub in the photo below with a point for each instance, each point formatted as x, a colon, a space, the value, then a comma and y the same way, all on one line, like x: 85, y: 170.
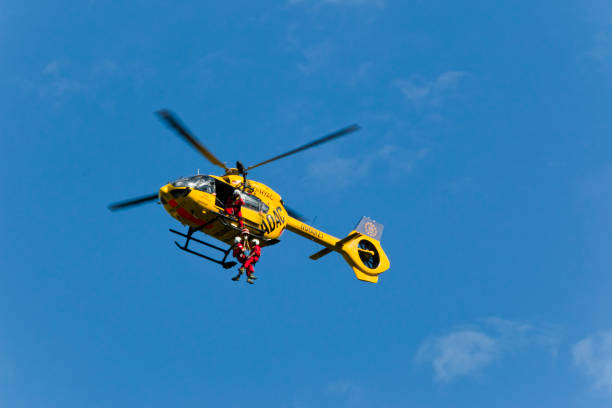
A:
x: 232, y: 172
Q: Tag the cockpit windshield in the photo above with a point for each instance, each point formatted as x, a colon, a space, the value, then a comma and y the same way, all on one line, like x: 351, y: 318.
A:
x: 199, y: 182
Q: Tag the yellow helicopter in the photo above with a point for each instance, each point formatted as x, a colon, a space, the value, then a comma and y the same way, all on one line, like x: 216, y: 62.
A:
x: 199, y: 202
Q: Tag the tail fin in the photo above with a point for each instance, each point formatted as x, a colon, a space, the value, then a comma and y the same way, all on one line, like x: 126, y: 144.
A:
x: 361, y: 250
x: 370, y: 228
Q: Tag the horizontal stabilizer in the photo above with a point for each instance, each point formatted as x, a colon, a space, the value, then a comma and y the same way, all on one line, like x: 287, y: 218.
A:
x: 320, y: 254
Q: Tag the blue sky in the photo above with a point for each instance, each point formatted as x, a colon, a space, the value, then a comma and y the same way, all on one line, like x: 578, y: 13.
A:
x: 484, y: 150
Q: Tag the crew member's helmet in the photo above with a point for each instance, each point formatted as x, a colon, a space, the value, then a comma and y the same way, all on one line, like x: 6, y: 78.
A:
x: 236, y: 193
x: 255, y: 242
x: 237, y: 240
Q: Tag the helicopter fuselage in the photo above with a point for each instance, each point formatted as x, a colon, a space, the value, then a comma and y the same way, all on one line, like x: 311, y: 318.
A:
x: 197, y: 201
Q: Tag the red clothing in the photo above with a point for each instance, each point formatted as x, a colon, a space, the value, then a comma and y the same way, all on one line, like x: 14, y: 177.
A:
x: 238, y: 253
x: 255, y: 252
x: 233, y: 207
x: 252, y: 259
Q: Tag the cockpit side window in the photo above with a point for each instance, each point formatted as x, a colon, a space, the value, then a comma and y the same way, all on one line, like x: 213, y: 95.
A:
x: 199, y: 182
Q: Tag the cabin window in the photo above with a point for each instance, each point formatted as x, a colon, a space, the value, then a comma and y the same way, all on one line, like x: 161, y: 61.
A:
x: 199, y: 182
x: 254, y: 203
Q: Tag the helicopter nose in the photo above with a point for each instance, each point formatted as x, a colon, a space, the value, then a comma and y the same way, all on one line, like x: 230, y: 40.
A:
x: 180, y: 192
x: 168, y: 193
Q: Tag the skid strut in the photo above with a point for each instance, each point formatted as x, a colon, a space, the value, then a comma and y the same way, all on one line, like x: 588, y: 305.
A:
x: 189, y: 237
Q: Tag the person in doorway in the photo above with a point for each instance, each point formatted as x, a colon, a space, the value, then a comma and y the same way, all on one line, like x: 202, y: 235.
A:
x: 233, y: 207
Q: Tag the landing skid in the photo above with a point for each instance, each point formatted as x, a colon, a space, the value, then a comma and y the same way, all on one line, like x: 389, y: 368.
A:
x: 189, y: 237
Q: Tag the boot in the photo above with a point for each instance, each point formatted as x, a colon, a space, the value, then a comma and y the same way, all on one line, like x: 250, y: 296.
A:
x: 235, y: 278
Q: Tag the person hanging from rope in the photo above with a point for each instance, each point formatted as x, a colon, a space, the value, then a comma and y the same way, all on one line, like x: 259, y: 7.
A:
x: 239, y: 253
x: 251, y: 260
x: 233, y: 206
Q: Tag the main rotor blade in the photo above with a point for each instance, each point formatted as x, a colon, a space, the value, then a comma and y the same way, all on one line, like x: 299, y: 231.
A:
x: 173, y: 122
x: 120, y: 205
x: 324, y: 139
x: 294, y: 214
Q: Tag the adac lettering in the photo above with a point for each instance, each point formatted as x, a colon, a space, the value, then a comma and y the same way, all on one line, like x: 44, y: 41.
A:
x: 273, y: 220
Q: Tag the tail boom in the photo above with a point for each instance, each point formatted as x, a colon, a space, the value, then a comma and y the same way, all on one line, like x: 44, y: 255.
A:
x: 360, y: 248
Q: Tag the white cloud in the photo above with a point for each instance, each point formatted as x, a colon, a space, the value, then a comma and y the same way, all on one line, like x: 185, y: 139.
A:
x: 420, y: 91
x: 60, y: 79
x: 601, y: 50
x: 518, y: 334
x: 376, y: 3
x: 467, y: 351
x: 460, y: 185
x: 448, y: 79
x: 340, y: 387
x: 316, y: 57
x: 104, y: 67
x: 338, y: 393
x: 54, y: 67
x: 598, y: 16
x: 351, y: 393
x: 360, y: 74
x: 342, y: 171
x: 597, y: 187
x: 56, y: 83
x: 400, y: 159
x: 459, y: 353
x: 594, y: 355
